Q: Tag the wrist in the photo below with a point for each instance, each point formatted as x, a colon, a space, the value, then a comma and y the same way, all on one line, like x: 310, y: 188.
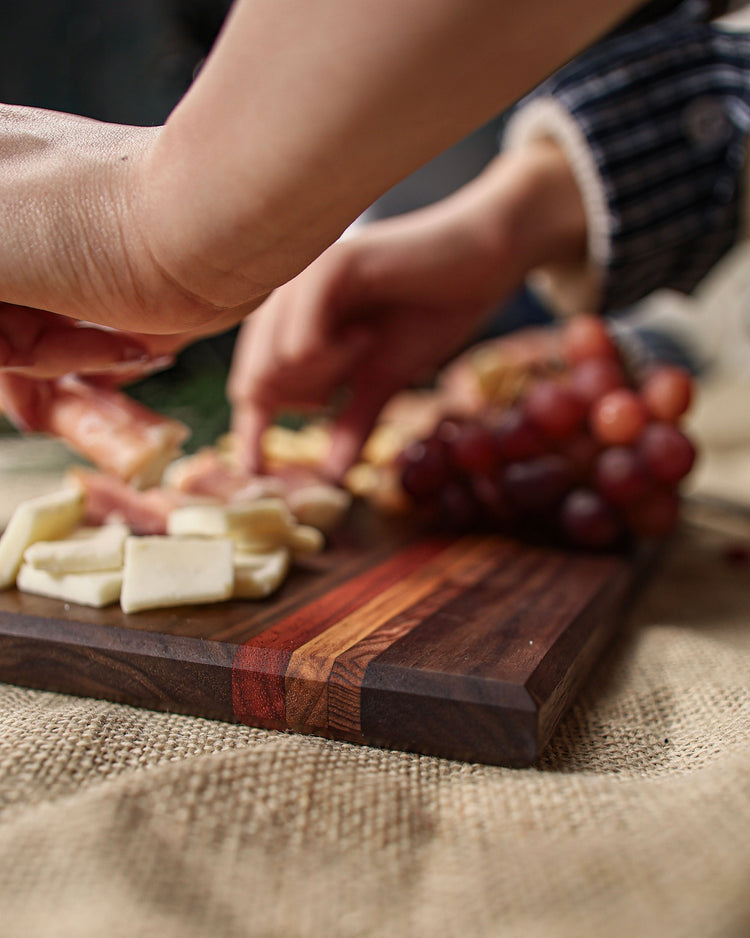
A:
x: 542, y: 215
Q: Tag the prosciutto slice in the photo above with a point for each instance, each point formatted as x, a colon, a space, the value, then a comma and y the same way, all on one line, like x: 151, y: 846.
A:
x: 116, y: 433
x: 108, y: 498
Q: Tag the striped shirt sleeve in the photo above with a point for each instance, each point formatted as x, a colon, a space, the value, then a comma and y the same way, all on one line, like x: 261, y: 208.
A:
x: 654, y: 123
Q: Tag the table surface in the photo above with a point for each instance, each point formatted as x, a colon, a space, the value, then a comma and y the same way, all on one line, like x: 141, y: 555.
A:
x: 124, y: 821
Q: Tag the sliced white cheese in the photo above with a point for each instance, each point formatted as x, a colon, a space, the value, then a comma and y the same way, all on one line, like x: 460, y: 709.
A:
x: 86, y: 550
x: 175, y: 571
x: 262, y: 521
x: 258, y: 526
x: 322, y: 506
x: 266, y: 524
x: 199, y: 520
x: 304, y: 539
x: 258, y: 575
x: 87, y: 589
x: 44, y: 518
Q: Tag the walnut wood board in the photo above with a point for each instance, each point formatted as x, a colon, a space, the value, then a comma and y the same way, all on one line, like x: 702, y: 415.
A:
x: 464, y: 647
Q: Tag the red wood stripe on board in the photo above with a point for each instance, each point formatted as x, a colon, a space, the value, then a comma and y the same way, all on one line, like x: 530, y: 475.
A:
x: 348, y: 671
x: 260, y: 664
x: 310, y: 665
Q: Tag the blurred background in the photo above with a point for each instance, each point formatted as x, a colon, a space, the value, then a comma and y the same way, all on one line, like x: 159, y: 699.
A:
x: 130, y: 61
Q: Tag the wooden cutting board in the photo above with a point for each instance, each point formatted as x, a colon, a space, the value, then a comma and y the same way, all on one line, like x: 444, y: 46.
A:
x: 466, y: 647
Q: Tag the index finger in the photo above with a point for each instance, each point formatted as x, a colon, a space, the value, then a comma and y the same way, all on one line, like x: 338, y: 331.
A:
x: 249, y: 421
x: 39, y: 344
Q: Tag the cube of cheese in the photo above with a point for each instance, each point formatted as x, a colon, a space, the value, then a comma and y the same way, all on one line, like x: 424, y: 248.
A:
x: 88, y: 589
x: 87, y: 550
x: 265, y: 523
x: 259, y: 525
x: 44, y: 518
x: 322, y: 506
x: 199, y: 520
x: 258, y: 575
x: 162, y: 570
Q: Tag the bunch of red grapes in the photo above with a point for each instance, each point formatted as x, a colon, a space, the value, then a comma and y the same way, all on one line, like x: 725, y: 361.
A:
x: 588, y: 455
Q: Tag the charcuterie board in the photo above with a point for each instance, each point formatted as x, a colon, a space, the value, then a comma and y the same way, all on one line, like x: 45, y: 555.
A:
x: 464, y: 647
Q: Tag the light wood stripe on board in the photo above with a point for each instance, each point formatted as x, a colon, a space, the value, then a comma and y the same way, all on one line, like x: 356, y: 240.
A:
x: 310, y: 665
x: 348, y: 671
x: 260, y: 664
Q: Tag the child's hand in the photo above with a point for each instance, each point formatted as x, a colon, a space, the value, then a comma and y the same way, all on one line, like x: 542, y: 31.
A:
x: 373, y: 314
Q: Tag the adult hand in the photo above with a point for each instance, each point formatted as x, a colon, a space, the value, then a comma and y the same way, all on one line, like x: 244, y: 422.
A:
x: 72, y: 218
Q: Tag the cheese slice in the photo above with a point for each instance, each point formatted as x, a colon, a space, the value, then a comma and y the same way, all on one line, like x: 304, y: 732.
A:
x: 176, y: 571
x: 262, y: 521
x: 260, y: 525
x: 304, y: 539
x: 44, y: 518
x: 199, y: 520
x: 88, y: 589
x: 86, y: 550
x: 322, y: 506
x: 258, y: 575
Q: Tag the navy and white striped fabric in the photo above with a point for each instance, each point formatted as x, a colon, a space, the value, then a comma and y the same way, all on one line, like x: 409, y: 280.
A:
x: 665, y: 110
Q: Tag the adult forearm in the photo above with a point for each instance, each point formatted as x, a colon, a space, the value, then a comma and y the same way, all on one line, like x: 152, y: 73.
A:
x: 309, y: 109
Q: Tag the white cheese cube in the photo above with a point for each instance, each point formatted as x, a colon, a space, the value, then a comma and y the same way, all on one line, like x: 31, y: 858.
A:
x: 258, y: 575
x: 322, y: 506
x: 304, y: 539
x: 262, y: 522
x: 176, y: 571
x: 44, y: 518
x: 86, y: 550
x: 87, y: 589
x: 199, y: 520
x: 258, y: 526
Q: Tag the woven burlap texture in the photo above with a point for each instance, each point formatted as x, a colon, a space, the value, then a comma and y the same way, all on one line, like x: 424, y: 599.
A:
x: 122, y: 822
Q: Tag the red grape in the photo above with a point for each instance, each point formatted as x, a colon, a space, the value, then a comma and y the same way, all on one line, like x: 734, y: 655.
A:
x: 618, y: 417
x: 655, y: 515
x: 581, y: 449
x: 667, y: 452
x: 456, y: 507
x: 594, y: 377
x: 586, y: 336
x: 489, y: 493
x: 667, y: 392
x: 424, y: 468
x: 537, y: 484
x: 587, y: 519
x: 540, y: 469
x: 554, y: 408
x: 620, y: 475
x: 471, y: 446
x: 516, y: 437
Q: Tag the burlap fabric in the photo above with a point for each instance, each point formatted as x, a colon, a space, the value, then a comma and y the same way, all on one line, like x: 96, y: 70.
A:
x: 122, y: 822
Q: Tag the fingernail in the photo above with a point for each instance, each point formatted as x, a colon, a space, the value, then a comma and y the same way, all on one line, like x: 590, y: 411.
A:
x: 156, y: 364
x: 134, y: 353
x: 143, y: 364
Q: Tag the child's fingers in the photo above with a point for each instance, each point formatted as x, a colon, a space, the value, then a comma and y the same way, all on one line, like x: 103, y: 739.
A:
x: 354, y: 425
x: 248, y: 424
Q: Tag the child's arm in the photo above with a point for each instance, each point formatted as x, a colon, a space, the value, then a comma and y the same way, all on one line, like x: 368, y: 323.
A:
x: 373, y: 313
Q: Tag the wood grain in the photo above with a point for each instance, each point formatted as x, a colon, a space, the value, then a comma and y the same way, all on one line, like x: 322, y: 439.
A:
x: 468, y: 647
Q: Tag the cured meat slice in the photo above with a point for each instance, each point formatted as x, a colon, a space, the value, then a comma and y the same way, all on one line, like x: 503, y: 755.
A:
x: 108, y: 498
x: 116, y: 433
